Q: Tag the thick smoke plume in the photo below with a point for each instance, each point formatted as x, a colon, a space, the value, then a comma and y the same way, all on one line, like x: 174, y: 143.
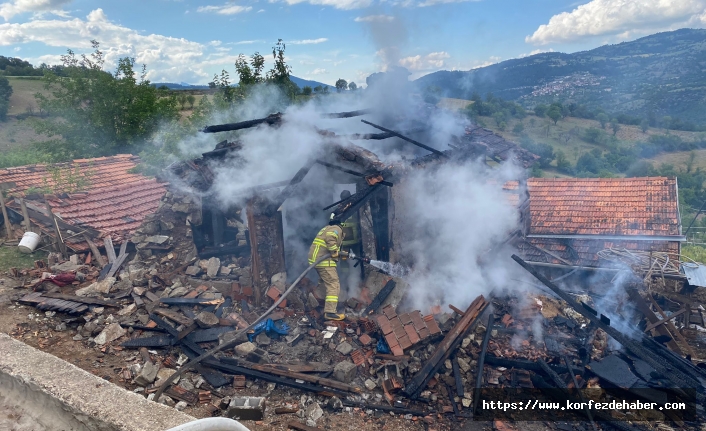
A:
x: 452, y: 218
x: 448, y: 216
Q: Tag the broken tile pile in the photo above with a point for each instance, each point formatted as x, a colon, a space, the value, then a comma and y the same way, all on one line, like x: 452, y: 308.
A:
x: 406, y: 330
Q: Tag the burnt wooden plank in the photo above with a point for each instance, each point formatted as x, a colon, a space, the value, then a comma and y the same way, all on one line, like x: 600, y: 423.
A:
x: 445, y: 348
x: 153, y: 341
x: 81, y: 299
x: 173, y: 315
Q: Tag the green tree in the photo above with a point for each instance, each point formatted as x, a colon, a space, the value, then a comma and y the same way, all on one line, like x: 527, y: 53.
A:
x: 541, y: 110
x: 603, y: 119
x: 614, y: 126
x: 562, y: 162
x: 554, y: 113
x: 519, y: 128
x: 306, y: 90
x: 94, y: 113
x: 341, y: 85
x: 644, y: 126
x: 281, y: 71
x: 499, y: 118
x: 5, y: 93
x: 666, y: 122
x: 191, y: 99
x: 181, y: 98
x: 352, y: 86
x: 318, y: 89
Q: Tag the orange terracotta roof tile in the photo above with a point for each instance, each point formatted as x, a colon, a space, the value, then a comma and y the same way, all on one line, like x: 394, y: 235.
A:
x: 603, y: 206
x: 99, y: 193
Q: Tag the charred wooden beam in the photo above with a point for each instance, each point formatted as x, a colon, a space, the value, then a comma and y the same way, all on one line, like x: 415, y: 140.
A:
x: 552, y: 374
x: 681, y: 373
x: 445, y: 348
x: 525, y: 365
x: 369, y: 136
x: 348, y: 171
x: 290, y: 189
x: 576, y: 387
x: 284, y: 372
x: 348, y: 114
x: 457, y: 377
x: 301, y: 427
x: 380, y: 298
x: 270, y: 119
x: 481, y: 361
x: 236, y: 369
x: 356, y: 201
x: 404, y: 138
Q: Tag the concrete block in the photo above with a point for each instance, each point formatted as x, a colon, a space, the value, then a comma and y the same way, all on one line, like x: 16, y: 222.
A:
x: 246, y: 408
x: 345, y: 348
x: 206, y: 319
x: 214, y: 265
x: 111, y: 333
x: 245, y: 349
x: 345, y: 371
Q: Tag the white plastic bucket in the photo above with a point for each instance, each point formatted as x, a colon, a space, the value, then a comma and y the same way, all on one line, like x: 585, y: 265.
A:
x: 30, y: 241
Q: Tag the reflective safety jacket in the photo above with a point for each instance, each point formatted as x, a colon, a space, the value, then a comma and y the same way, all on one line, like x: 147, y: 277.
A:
x: 328, y: 240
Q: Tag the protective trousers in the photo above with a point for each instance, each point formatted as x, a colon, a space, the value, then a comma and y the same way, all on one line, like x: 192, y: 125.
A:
x: 329, y: 278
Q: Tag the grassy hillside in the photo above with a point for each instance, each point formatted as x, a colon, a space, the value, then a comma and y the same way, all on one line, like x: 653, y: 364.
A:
x: 568, y: 136
x: 658, y: 75
x: 23, y: 91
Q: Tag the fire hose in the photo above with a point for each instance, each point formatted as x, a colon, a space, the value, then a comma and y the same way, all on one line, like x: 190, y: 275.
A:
x: 235, y: 340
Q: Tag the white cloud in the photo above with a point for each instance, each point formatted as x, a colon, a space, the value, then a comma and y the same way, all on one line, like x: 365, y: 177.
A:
x: 226, y: 9
x: 620, y: 18
x: 535, y: 52
x: 167, y: 58
x: 15, y: 7
x: 374, y: 18
x: 434, y: 60
x: 338, y: 4
x: 245, y: 42
x: 319, y: 72
x: 307, y: 41
x: 261, y: 11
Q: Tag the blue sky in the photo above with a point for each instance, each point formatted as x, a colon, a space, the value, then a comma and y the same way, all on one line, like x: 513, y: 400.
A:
x: 190, y: 40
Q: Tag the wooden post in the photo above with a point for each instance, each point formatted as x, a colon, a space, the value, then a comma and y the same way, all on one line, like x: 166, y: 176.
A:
x: 25, y: 214
x: 59, y: 239
x: 95, y: 251
x: 8, y: 225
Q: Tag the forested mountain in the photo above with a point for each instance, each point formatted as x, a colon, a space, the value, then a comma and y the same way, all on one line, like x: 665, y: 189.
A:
x: 659, y: 75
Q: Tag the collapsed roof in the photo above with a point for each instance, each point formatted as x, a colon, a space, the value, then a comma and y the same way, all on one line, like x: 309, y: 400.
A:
x: 94, y: 197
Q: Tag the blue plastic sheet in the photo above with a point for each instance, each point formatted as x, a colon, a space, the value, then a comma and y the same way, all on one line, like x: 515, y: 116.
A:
x: 270, y: 328
x: 382, y: 346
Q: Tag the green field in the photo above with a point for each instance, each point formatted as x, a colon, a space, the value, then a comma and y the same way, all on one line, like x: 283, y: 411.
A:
x: 566, y: 135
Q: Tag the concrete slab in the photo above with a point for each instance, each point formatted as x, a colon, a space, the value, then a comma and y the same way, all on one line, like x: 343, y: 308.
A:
x: 59, y: 396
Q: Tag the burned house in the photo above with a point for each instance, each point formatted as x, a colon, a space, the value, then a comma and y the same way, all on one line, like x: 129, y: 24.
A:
x: 342, y: 177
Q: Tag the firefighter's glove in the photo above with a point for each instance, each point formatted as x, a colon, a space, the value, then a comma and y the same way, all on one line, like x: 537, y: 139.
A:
x: 334, y: 255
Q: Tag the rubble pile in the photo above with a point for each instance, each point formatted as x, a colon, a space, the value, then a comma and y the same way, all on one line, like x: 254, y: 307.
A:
x: 424, y: 367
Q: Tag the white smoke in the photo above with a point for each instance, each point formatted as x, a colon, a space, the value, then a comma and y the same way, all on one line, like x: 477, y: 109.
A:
x: 452, y: 217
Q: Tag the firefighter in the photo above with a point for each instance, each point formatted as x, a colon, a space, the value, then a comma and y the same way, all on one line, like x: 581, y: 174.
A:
x: 328, y: 240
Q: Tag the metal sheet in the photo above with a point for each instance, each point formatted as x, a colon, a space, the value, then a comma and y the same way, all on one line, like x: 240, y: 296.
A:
x: 695, y: 274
